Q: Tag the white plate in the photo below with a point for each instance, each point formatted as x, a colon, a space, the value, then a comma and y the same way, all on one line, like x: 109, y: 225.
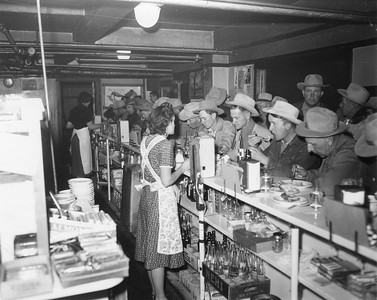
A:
x: 301, y: 201
x: 80, y: 180
x: 298, y: 184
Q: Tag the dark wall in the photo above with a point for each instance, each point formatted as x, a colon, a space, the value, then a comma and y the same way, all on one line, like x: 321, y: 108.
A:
x: 283, y: 73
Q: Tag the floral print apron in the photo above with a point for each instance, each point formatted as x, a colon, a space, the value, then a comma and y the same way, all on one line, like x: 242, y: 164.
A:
x: 169, y: 234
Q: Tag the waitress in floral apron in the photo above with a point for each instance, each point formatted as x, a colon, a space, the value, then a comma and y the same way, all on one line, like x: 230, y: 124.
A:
x: 81, y: 121
x: 158, y: 237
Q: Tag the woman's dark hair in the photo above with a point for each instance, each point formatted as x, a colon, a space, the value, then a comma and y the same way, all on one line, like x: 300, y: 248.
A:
x: 84, y: 97
x: 160, y: 118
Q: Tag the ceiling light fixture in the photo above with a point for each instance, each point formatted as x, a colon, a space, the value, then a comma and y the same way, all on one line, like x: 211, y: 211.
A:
x: 124, y: 51
x: 147, y: 14
x: 123, y: 56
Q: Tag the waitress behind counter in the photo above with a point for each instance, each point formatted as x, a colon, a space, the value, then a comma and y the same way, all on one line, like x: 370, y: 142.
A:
x: 81, y: 121
x: 158, y: 236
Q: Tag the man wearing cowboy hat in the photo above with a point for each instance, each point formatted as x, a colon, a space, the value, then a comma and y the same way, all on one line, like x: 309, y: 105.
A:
x: 242, y: 110
x: 221, y: 130
x: 286, y: 148
x: 312, y: 91
x: 353, y: 109
x: 324, y: 136
x: 263, y: 101
x: 219, y: 95
x: 366, y: 149
x: 190, y: 122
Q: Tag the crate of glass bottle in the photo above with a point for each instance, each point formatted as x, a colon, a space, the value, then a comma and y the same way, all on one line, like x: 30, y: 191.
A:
x: 235, y: 289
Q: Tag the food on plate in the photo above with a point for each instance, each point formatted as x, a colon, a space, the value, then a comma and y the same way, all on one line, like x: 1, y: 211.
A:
x: 289, y: 197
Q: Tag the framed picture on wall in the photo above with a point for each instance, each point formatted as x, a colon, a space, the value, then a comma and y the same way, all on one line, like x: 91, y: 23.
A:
x: 113, y: 93
x: 196, y: 83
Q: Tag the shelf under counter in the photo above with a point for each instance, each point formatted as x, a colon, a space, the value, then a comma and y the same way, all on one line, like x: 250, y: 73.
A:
x: 303, y: 217
x: 307, y: 275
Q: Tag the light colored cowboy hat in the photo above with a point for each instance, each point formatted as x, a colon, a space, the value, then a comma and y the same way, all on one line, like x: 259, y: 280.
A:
x: 278, y: 98
x: 187, y: 112
x: 175, y: 102
x: 159, y: 101
x: 320, y: 122
x: 285, y: 110
x: 313, y: 80
x: 355, y: 93
x: 208, y: 105
x: 245, y: 102
x: 366, y: 145
x: 264, y: 97
x: 145, y: 105
x: 216, y: 94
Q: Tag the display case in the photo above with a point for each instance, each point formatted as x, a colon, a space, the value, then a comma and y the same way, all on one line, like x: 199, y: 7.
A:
x: 291, y: 274
x: 117, y: 167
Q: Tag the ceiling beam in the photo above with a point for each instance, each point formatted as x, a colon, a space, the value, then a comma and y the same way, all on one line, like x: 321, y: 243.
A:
x: 162, y: 38
x: 327, y: 38
x: 97, y: 22
x: 260, y: 7
x: 32, y: 9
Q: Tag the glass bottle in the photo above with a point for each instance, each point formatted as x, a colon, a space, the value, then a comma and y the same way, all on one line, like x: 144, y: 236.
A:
x: 277, y: 244
x: 225, y: 260
x: 254, y: 268
x: 233, y: 267
x: 217, y: 262
x: 261, y: 270
x: 179, y: 158
x: 242, y: 265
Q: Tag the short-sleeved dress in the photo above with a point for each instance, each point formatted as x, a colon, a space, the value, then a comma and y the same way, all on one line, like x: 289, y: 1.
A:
x: 148, y: 215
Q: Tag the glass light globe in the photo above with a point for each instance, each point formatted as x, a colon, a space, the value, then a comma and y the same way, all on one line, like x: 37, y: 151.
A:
x: 147, y: 14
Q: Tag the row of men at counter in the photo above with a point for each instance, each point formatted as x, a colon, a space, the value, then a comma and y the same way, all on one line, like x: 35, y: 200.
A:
x: 306, y: 140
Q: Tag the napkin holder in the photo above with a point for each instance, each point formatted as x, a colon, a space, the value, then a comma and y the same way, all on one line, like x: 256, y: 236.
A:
x: 251, y: 175
x: 350, y: 194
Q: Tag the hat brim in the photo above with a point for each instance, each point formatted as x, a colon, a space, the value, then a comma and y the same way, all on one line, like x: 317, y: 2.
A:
x: 302, y: 85
x: 184, y: 115
x: 343, y: 92
x: 142, y: 107
x: 251, y: 109
x: 362, y: 148
x: 218, y: 110
x: 303, y: 131
x: 271, y: 110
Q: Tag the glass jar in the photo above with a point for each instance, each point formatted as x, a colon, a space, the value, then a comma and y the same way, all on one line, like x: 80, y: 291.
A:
x: 277, y: 244
x: 266, y: 182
